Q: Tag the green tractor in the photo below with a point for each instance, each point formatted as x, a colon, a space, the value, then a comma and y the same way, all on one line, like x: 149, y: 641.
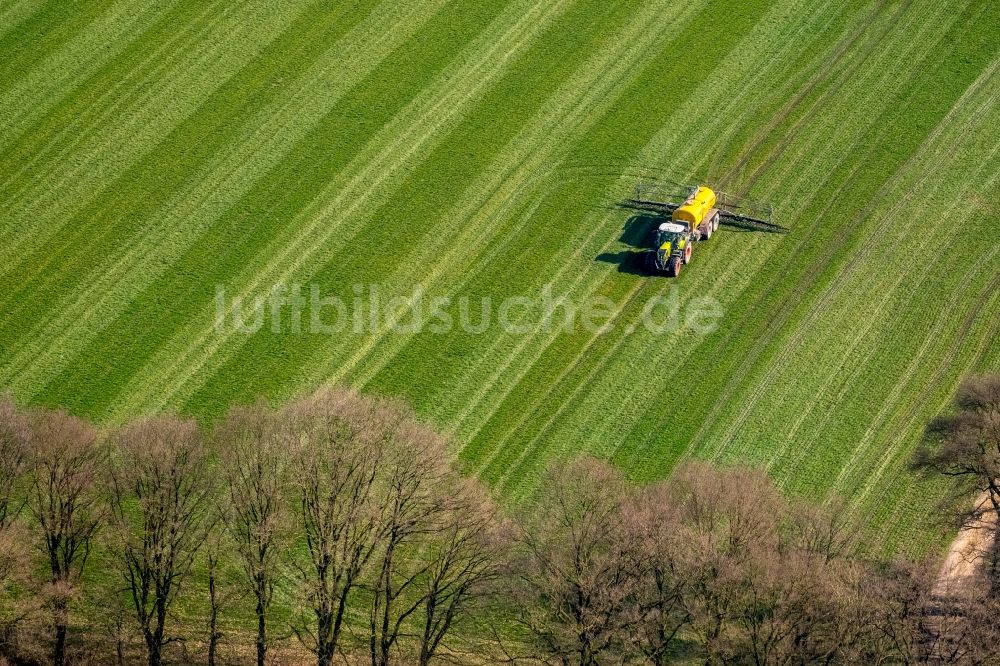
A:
x: 695, y: 215
x: 672, y: 247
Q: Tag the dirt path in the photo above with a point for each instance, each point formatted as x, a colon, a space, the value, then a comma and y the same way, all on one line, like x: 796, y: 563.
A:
x: 961, y: 568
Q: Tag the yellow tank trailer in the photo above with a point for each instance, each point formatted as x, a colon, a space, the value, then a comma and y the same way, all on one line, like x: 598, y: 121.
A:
x: 694, y: 211
x: 695, y: 214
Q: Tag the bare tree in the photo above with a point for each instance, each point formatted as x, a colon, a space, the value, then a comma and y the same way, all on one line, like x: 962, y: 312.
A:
x: 753, y: 574
x: 255, y: 466
x: 65, y: 463
x: 822, y: 530
x: 339, y: 442
x: 413, y: 476
x: 160, y: 494
x: 467, y: 559
x: 577, y: 592
x: 654, y: 537
x: 440, y: 544
x: 221, y: 590
x: 965, y: 446
x: 729, y: 518
x: 911, y: 624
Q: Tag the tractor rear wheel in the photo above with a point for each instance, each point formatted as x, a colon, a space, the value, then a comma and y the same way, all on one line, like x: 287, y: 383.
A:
x: 674, y: 267
x: 715, y: 222
x: 706, y: 233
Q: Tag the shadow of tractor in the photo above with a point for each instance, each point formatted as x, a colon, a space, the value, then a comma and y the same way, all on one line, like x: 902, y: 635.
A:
x: 637, y: 235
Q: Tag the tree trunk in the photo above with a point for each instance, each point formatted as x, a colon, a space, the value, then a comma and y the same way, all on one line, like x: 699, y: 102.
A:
x: 261, y: 632
x: 59, y: 649
x: 324, y: 645
x: 152, y: 649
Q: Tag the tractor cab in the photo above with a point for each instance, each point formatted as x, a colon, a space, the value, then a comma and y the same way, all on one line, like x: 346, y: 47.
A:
x: 670, y: 234
x: 672, y: 247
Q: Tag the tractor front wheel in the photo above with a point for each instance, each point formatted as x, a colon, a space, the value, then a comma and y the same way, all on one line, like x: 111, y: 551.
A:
x: 674, y: 267
x: 687, y: 254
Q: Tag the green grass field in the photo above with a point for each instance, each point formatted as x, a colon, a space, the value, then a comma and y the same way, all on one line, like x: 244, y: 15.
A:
x: 152, y: 151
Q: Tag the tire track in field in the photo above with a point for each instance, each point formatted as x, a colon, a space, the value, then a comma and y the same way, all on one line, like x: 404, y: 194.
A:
x: 530, y: 447
x: 217, y: 186
x: 946, y: 364
x: 790, y: 303
x: 945, y: 361
x: 118, y: 134
x: 921, y: 29
x: 858, y: 259
x: 803, y: 204
x: 822, y: 74
x: 516, y: 172
x: 829, y: 93
x: 916, y: 29
x: 890, y: 403
x: 991, y: 335
x: 892, y: 455
x: 385, y: 159
x: 893, y: 212
x: 554, y: 123
x: 56, y: 76
x: 31, y: 216
x: 484, y: 389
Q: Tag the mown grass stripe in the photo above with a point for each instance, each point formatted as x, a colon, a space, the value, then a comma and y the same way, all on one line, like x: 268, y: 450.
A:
x: 215, y: 187
x: 107, y: 139
x: 37, y: 90
x: 475, y: 65
x: 470, y: 226
x: 845, y: 196
x: 16, y: 12
x: 361, y: 188
x: 42, y: 31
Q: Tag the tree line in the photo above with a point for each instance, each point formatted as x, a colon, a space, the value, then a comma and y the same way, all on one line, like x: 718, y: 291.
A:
x: 340, y: 524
